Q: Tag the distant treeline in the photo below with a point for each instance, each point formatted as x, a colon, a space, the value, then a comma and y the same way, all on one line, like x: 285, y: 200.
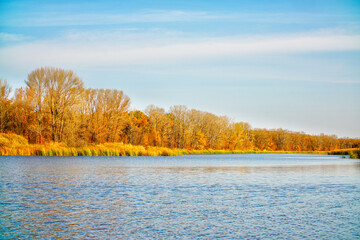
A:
x: 56, y: 107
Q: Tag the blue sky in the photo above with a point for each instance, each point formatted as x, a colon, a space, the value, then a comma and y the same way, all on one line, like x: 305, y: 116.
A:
x: 289, y: 64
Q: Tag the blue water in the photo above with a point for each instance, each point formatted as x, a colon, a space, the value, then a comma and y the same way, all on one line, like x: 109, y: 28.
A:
x: 268, y: 196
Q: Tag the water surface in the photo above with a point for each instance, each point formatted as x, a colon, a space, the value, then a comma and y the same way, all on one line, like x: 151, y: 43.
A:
x: 268, y: 196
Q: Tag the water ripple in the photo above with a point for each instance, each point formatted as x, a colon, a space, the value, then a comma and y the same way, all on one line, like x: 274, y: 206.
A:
x: 154, y: 198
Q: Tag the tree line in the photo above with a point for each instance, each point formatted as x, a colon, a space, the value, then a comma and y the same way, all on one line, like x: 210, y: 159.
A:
x: 56, y: 107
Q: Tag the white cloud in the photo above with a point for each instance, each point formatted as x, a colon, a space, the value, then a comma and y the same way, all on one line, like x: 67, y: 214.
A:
x: 64, y: 19
x: 116, y: 53
x: 9, y: 37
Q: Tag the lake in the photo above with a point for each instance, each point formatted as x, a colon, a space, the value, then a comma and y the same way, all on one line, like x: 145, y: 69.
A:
x: 260, y: 196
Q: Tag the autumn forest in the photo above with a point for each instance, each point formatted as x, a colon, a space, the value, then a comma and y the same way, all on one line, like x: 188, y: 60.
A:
x: 56, y: 107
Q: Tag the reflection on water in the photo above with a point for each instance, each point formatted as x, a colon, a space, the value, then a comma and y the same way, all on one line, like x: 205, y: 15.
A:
x: 218, y: 196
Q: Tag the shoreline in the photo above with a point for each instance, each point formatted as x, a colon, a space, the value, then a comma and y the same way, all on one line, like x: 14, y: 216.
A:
x: 120, y: 149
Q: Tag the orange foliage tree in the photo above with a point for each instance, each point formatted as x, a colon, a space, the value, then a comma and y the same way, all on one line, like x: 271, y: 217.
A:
x: 56, y: 107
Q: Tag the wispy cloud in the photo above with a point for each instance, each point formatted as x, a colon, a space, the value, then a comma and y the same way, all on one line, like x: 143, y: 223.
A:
x: 257, y: 57
x: 9, y: 37
x: 112, y: 53
x: 65, y: 19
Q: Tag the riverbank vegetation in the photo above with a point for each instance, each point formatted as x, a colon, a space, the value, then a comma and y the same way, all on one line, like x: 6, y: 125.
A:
x: 12, y: 144
x: 57, y: 115
x: 352, y: 152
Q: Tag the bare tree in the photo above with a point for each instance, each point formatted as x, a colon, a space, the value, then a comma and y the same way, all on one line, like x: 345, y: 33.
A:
x: 56, y: 90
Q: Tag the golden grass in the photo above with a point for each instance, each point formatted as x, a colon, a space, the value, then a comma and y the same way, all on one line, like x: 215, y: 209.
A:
x: 116, y: 149
x: 211, y: 151
x: 106, y: 149
x: 12, y: 144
